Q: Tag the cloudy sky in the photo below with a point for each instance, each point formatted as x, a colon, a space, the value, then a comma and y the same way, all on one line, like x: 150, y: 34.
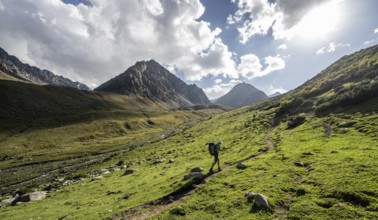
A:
x: 275, y: 45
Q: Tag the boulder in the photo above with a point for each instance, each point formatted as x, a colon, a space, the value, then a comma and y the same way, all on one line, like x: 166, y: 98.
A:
x: 299, y: 163
x: 97, y: 178
x: 261, y: 201
x: 128, y: 172
x: 196, y: 169
x: 34, y: 196
x: 241, y: 166
x: 194, y: 175
x: 160, y: 160
x: 171, y: 160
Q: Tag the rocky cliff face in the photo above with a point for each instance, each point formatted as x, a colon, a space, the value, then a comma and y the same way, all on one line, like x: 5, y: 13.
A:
x: 12, y: 66
x: 151, y: 80
x: 242, y: 94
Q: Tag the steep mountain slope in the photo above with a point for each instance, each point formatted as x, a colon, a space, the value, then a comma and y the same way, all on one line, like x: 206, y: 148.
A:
x: 12, y: 66
x: 349, y: 81
x: 25, y: 105
x: 149, y: 79
x: 242, y: 94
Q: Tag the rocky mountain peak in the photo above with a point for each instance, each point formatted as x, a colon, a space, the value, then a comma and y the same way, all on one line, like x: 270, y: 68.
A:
x: 151, y: 80
x: 242, y: 94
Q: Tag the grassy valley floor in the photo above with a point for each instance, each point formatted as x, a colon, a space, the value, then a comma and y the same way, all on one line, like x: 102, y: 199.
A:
x: 324, y: 168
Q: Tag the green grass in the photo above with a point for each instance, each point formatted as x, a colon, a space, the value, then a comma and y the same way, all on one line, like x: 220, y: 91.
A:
x: 340, y: 181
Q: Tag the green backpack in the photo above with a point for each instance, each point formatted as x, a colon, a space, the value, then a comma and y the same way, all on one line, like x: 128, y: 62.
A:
x: 211, y: 147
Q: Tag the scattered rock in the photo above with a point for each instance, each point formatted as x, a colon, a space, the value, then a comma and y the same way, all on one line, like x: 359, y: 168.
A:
x: 241, y: 166
x: 67, y: 183
x: 8, y: 201
x: 123, y: 167
x: 196, y: 169
x: 194, y: 175
x: 249, y: 196
x: 128, y: 172
x: 102, y: 171
x: 261, y: 201
x: 114, y: 169
x: 171, y: 160
x: 59, y: 179
x: 97, y: 178
x: 299, y: 163
x: 106, y: 172
x: 34, y: 196
x: 160, y: 160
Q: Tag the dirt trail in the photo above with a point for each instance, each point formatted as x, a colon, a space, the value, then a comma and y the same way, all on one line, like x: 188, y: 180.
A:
x: 328, y: 129
x: 160, y: 205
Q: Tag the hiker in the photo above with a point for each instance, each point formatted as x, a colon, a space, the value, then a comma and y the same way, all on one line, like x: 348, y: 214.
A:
x: 215, y: 152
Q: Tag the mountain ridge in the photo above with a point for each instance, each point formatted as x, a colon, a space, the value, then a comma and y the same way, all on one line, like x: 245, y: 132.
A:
x: 12, y: 66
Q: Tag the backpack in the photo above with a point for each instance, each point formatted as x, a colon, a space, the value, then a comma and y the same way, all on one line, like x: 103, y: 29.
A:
x: 211, y: 147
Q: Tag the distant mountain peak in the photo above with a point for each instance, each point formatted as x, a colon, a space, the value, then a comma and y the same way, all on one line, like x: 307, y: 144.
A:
x: 242, y: 94
x: 12, y: 66
x: 275, y: 94
x: 151, y: 80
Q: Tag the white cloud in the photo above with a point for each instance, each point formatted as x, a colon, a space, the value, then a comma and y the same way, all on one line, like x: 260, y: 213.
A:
x: 375, y: 30
x: 282, y: 47
x: 321, y: 50
x: 92, y: 43
x: 273, y: 90
x: 219, y: 90
x: 250, y: 66
x: 261, y: 17
x: 217, y: 81
x: 257, y: 17
x: 273, y: 64
x: 331, y: 47
x: 369, y: 41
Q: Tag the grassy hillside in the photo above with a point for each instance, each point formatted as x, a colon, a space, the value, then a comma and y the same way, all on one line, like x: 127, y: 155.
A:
x: 29, y: 106
x: 322, y: 164
x: 46, y: 128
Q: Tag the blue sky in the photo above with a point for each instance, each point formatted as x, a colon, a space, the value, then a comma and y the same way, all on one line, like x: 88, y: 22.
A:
x: 275, y: 45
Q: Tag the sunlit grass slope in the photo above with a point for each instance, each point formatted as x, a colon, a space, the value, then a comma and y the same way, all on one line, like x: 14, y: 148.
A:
x: 338, y: 179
